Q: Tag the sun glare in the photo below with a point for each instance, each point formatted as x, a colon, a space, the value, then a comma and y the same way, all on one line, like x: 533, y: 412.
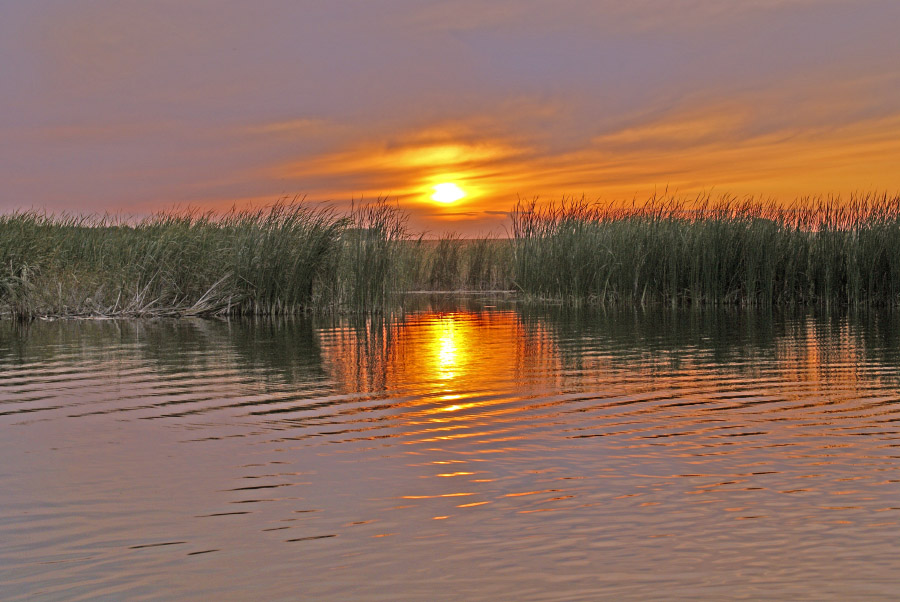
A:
x: 448, y: 192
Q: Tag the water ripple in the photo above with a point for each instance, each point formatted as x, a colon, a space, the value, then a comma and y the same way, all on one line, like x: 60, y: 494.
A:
x: 470, y: 452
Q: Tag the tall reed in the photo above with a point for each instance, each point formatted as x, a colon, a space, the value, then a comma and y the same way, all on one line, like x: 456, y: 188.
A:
x: 371, y: 254
x: 817, y: 251
x: 280, y: 260
x: 454, y: 263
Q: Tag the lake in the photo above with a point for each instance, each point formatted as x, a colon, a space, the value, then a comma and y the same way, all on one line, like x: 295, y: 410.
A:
x: 464, y: 450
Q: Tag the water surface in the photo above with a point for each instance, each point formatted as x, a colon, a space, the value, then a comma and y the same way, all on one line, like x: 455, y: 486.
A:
x: 460, y: 452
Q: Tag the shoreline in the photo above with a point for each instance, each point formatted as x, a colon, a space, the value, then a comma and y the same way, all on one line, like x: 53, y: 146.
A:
x: 294, y: 259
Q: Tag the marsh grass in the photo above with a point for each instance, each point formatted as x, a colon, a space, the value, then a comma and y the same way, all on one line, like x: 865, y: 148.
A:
x: 293, y: 258
x: 370, y: 274
x: 725, y: 252
x: 285, y: 259
x: 454, y: 263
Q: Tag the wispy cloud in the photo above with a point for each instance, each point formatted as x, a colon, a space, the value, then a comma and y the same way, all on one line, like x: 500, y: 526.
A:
x: 293, y: 127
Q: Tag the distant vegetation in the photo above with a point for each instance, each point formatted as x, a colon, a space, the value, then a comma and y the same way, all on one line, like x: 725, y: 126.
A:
x: 293, y: 258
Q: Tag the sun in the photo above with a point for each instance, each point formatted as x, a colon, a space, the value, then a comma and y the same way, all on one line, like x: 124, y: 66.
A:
x: 448, y: 192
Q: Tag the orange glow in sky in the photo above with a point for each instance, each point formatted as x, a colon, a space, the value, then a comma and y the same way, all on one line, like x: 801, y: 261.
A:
x: 121, y: 107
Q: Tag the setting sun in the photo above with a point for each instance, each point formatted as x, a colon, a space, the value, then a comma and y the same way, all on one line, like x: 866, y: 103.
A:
x: 448, y: 192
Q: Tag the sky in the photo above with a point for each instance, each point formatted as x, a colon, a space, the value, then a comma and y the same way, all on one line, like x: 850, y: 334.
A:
x: 137, y: 106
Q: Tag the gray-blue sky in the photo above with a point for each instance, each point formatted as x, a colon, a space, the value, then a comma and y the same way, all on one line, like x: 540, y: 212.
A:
x: 136, y: 106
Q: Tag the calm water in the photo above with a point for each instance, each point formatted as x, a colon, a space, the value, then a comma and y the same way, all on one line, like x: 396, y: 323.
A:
x: 461, y: 452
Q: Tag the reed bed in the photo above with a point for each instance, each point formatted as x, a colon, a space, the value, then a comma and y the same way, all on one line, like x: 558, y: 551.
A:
x: 724, y: 252
x: 285, y: 259
x: 292, y: 258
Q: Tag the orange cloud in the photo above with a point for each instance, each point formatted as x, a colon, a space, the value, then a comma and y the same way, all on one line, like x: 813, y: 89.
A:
x: 684, y: 152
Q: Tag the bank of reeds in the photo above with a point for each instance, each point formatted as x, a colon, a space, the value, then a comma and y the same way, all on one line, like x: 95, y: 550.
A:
x: 731, y: 251
x: 294, y: 258
x: 286, y: 259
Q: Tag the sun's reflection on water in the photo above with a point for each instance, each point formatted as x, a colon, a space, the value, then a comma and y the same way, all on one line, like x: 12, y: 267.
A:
x: 447, y: 349
x: 443, y: 359
x: 453, y: 375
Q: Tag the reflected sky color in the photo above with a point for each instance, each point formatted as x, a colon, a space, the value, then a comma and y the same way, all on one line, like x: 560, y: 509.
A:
x: 482, y: 453
x: 134, y: 107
